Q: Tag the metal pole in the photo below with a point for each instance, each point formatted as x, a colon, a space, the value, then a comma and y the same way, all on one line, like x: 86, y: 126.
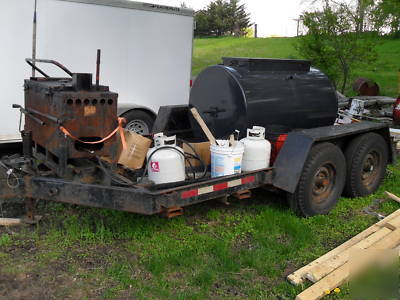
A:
x: 98, y: 68
x: 298, y: 27
x: 34, y: 39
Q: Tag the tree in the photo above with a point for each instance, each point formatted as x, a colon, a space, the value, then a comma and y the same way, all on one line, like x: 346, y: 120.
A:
x: 380, y: 16
x: 333, y: 43
x: 362, y: 10
x: 202, y: 23
x: 219, y: 15
x: 387, y: 15
x: 239, y: 19
x: 250, y: 33
x: 222, y: 18
x: 363, y: 15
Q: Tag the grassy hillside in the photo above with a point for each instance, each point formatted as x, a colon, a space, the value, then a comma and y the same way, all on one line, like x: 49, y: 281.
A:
x: 383, y: 70
x: 244, y: 250
x: 209, y: 51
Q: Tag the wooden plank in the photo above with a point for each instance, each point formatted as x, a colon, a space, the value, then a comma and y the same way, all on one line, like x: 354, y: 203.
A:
x: 297, y: 277
x: 203, y: 125
x: 397, y: 249
x: 342, y: 274
x: 390, y: 241
x: 323, y: 269
x: 368, y: 100
x: 393, y: 223
x: 395, y: 133
x: 392, y: 196
x: 10, y: 221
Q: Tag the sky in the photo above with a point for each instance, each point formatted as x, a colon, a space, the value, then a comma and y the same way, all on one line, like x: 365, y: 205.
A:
x: 273, y: 17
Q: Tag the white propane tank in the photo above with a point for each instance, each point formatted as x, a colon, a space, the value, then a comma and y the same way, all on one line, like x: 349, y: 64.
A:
x: 257, y: 150
x: 165, y: 164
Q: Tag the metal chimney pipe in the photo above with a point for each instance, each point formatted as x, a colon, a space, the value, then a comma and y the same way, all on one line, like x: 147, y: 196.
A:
x: 98, y: 68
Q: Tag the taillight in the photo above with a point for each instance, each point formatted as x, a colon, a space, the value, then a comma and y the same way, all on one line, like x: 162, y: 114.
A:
x: 396, y: 112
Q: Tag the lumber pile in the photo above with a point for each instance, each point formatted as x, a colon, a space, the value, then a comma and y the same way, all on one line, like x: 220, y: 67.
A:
x: 10, y: 221
x: 336, y: 267
x: 19, y: 221
x: 368, y: 100
x: 395, y: 134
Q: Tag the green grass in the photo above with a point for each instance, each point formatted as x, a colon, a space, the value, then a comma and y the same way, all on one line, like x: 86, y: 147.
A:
x: 208, y: 51
x: 244, y: 250
x: 384, y: 70
x: 5, y: 240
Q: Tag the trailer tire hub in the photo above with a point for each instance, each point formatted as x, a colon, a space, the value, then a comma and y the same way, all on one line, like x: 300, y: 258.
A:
x: 366, y: 158
x: 321, y: 182
x: 138, y: 121
x: 138, y: 126
x: 324, y: 181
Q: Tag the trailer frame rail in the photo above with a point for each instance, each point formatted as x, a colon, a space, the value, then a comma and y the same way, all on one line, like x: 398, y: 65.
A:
x: 140, y: 199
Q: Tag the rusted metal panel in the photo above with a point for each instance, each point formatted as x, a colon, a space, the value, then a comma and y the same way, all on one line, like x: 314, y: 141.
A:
x: 87, y: 112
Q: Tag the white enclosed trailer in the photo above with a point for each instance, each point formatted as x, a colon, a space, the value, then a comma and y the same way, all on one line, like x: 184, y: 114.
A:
x: 146, y: 52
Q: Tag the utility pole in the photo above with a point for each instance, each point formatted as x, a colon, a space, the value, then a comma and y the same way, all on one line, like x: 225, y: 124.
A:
x: 34, y: 39
x: 255, y: 30
x: 298, y: 26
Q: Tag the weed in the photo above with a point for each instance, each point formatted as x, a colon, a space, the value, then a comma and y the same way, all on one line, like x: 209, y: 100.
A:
x: 5, y: 240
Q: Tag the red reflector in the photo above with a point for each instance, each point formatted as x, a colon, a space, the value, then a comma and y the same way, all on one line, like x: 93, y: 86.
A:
x: 189, y: 194
x: 248, y: 179
x: 396, y: 112
x: 191, y: 83
x: 220, y: 186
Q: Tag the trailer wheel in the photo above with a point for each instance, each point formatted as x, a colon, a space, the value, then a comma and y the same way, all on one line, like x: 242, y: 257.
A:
x: 366, y: 157
x: 321, y: 182
x: 138, y: 121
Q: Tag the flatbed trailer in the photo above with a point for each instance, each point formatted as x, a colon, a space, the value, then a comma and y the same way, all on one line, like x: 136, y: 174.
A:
x: 299, y: 157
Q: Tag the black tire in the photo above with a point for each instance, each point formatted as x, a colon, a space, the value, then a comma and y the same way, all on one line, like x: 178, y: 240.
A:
x: 139, y: 121
x: 321, y: 182
x: 366, y: 158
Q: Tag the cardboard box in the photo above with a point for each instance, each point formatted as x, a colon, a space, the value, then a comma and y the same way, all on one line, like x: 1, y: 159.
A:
x: 136, y: 150
x: 202, y: 149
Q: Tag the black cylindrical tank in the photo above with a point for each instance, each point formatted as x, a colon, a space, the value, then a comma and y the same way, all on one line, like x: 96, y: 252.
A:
x: 243, y: 92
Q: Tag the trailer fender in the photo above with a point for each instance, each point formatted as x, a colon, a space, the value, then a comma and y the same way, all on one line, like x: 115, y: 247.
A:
x: 293, y: 155
x: 290, y: 161
x: 125, y: 107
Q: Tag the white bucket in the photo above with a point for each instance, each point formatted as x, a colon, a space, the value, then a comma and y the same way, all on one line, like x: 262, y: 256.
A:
x: 226, y: 160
